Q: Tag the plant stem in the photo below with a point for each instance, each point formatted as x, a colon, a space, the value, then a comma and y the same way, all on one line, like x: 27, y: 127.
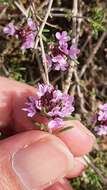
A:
x: 20, y: 6
x: 95, y: 50
x: 40, y: 66
x: 71, y: 68
x: 43, y: 23
x: 44, y: 60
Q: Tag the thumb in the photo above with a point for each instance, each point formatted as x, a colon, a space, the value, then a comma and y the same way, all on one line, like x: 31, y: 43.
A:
x: 33, y: 160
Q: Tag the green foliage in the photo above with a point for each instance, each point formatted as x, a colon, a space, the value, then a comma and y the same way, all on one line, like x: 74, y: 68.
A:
x: 93, y: 181
x: 6, y: 1
x: 17, y: 72
x: 96, y: 21
x: 89, y: 180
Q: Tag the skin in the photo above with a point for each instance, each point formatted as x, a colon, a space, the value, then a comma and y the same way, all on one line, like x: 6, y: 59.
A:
x: 32, y: 159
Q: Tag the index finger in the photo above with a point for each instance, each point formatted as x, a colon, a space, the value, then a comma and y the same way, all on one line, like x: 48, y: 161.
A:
x: 12, y: 99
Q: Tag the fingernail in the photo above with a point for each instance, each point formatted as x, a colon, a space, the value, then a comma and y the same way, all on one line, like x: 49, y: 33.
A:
x: 79, y: 166
x: 78, y: 141
x: 42, y: 163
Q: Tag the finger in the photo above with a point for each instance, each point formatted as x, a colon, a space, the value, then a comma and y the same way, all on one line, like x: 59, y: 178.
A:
x: 79, y: 167
x: 33, y: 160
x: 79, y: 139
x: 12, y: 99
x: 61, y: 185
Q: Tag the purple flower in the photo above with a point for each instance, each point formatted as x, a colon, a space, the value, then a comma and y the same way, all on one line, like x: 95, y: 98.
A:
x: 43, y: 89
x: 49, y: 61
x: 62, y: 37
x: 31, y: 111
x: 9, y: 29
x: 68, y: 107
x: 55, y: 111
x: 102, y: 115
x: 31, y: 108
x: 31, y: 24
x: 57, y: 95
x: 60, y: 63
x: 51, y: 103
x: 28, y: 41
x: 64, y: 48
x: 28, y: 35
x: 55, y: 124
x: 101, y: 130
x: 25, y: 34
x: 64, y: 108
x: 73, y: 52
x: 103, y: 107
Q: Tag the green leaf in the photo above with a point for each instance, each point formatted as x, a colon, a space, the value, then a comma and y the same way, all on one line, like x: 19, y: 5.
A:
x: 46, y: 30
x: 76, y: 61
x: 40, y: 126
x: 71, y: 118
x: 64, y: 129
x: 97, y: 22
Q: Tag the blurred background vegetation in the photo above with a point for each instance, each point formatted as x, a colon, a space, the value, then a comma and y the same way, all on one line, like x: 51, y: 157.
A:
x: 92, y: 67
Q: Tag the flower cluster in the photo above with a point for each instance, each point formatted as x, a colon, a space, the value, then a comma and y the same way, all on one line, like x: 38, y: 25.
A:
x: 61, y: 52
x: 25, y: 34
x: 102, y: 120
x: 52, y: 104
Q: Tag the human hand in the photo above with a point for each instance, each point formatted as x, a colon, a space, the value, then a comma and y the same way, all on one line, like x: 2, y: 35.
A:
x: 32, y: 159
